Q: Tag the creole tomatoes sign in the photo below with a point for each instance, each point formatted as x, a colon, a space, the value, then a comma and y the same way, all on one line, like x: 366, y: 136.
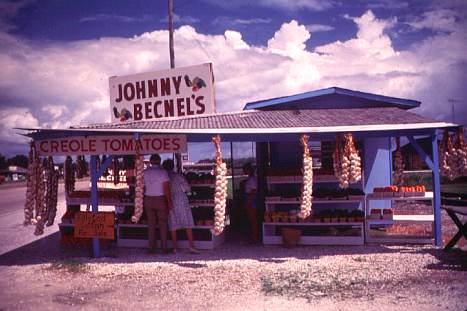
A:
x: 121, y: 144
x: 178, y: 92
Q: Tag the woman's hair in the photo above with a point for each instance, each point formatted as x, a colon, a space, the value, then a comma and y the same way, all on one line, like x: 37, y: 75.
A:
x: 155, y: 159
x: 248, y: 168
x: 168, y: 165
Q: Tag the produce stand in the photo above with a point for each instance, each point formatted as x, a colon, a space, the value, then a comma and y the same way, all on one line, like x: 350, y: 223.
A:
x: 129, y: 234
x: 276, y: 126
x: 135, y: 235
x: 393, y: 220
x: 315, y: 230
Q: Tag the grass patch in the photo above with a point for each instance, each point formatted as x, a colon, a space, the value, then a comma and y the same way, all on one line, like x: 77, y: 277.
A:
x: 316, y: 284
x: 359, y: 259
x: 455, y: 188
x: 68, y: 265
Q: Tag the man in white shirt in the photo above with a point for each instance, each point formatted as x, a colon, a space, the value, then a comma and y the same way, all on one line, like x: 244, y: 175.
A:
x: 157, y: 202
x: 250, y: 199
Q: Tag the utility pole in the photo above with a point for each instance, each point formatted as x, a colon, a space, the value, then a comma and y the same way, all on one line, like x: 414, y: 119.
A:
x: 178, y: 156
x: 171, y: 34
x: 453, y: 101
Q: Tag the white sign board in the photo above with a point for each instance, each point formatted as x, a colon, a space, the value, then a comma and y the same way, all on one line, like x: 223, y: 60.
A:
x: 178, y: 92
x: 121, y: 144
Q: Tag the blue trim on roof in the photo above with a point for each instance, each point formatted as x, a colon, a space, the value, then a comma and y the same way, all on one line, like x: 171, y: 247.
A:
x: 333, y: 90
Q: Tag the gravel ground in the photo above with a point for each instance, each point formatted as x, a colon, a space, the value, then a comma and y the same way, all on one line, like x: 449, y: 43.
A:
x: 236, y: 276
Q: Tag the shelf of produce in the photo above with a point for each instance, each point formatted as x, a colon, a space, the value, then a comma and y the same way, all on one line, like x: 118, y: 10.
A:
x: 403, y: 218
x: 193, y: 205
x: 272, y: 237
x: 66, y: 225
x: 203, y: 185
x: 356, y: 224
x: 375, y: 229
x: 299, y: 179
x: 402, y: 239
x: 71, y: 225
x: 318, y: 201
x: 210, y: 243
x: 426, y: 196
x: 145, y: 226
x: 105, y: 202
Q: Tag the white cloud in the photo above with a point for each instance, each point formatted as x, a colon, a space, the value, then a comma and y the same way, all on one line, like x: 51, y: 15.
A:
x: 75, y: 75
x: 313, y: 5
x: 289, y: 39
x: 15, y: 118
x: 55, y: 111
x: 181, y: 19
x: 115, y: 17
x: 441, y: 19
x: 387, y: 4
x: 290, y: 5
x: 319, y: 28
x: 229, y: 21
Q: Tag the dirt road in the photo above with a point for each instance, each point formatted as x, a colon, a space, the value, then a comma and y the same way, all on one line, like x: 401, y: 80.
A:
x: 236, y: 276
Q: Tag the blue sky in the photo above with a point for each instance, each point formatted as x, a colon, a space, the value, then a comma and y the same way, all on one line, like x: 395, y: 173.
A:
x: 81, y: 20
x: 56, y: 56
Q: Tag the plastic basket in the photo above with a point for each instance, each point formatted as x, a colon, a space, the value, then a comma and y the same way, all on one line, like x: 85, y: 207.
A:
x: 290, y: 237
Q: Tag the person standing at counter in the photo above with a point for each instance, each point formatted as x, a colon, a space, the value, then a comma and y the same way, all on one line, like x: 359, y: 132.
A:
x: 180, y: 216
x: 251, y: 186
x: 157, y: 202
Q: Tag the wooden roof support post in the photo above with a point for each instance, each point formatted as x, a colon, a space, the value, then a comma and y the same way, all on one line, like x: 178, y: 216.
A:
x: 95, y: 174
x: 433, y: 164
x: 95, y: 201
x: 436, y: 192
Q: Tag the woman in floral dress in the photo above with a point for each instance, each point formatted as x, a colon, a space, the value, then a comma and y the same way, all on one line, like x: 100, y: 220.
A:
x: 180, y: 216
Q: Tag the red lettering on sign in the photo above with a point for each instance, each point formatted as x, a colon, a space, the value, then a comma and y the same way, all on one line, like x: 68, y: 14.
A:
x: 169, y: 108
x: 74, y: 145
x: 115, y: 144
x: 176, y: 142
x: 180, y: 107
x: 147, y: 110
x: 63, y: 146
x: 156, y: 144
x: 165, y: 87
x: 41, y: 146
x: 200, y: 104
x: 54, y: 146
x: 177, y: 81
x: 152, y: 88
x: 140, y: 89
x: 167, y: 143
x: 127, y: 144
x: 137, y: 112
x: 189, y: 112
x: 106, y: 141
x: 129, y: 91
x: 156, y: 110
x: 83, y: 146
x: 147, y: 141
x: 139, y: 144
x: 92, y: 145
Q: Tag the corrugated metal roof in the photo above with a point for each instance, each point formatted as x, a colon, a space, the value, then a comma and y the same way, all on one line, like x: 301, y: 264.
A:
x: 258, y: 119
x: 320, y: 99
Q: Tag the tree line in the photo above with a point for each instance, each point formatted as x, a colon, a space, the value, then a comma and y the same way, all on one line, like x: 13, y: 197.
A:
x: 18, y: 160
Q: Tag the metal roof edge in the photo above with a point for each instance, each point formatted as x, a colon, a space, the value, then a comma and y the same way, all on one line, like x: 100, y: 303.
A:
x: 282, y: 99
x: 332, y: 90
x: 200, y: 116
x: 320, y: 129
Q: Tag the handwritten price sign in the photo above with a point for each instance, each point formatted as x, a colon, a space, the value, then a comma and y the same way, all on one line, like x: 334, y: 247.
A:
x: 95, y: 225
